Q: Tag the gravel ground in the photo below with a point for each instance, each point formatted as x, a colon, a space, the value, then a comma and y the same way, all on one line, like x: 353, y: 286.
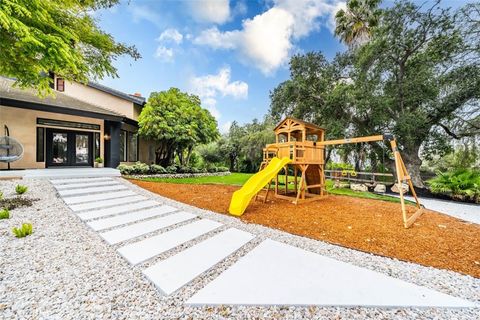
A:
x: 65, y: 271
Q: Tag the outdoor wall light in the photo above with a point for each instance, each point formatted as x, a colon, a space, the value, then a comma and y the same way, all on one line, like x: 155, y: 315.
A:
x: 106, y: 137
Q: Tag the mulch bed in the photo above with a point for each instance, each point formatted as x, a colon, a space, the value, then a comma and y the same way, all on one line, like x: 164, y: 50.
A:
x: 373, y: 226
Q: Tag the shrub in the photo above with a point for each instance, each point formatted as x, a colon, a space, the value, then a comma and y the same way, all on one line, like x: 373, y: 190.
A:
x: 125, y: 169
x: 4, y: 214
x: 99, y: 160
x: 25, y: 230
x: 19, y: 189
x: 460, y: 183
x: 171, y: 169
x: 222, y: 169
x: 140, y: 168
x: 156, y: 169
x: 212, y: 169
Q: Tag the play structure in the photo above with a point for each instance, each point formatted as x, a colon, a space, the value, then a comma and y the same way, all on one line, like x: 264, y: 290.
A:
x: 10, y: 149
x: 300, y: 149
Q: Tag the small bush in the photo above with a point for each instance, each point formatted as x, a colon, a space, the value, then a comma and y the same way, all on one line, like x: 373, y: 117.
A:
x: 171, y: 169
x: 25, y: 230
x: 99, y: 160
x: 140, y: 168
x: 461, y: 184
x: 212, y: 169
x: 19, y: 189
x: 125, y: 169
x: 4, y: 214
x: 222, y: 169
x: 156, y: 169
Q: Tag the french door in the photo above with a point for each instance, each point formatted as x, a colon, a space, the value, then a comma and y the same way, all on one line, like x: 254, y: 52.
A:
x: 69, y: 148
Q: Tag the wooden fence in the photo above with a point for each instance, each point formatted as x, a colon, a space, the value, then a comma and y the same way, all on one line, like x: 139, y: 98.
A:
x: 369, y: 178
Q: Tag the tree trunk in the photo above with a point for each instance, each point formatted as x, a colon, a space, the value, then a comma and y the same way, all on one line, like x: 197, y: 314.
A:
x: 189, y: 154
x: 413, y: 163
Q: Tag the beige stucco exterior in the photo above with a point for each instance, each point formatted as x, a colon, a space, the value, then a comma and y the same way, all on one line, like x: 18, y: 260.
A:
x: 23, y: 123
x: 102, y: 99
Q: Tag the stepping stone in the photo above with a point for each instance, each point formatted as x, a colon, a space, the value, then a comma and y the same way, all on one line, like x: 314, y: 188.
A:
x: 118, y: 209
x: 78, y: 180
x: 129, y: 217
x: 148, y: 248
x: 105, y: 203
x: 98, y: 197
x: 275, y: 273
x: 75, y: 192
x: 141, y: 228
x: 85, y: 185
x: 173, y: 273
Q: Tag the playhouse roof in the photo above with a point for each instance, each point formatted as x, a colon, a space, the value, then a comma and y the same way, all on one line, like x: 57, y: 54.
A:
x: 307, y: 125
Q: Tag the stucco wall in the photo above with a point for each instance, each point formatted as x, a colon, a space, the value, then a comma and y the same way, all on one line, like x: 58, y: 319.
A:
x: 102, y: 99
x: 23, y: 123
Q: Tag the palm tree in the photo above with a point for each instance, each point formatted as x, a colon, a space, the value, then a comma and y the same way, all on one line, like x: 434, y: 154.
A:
x: 354, y: 24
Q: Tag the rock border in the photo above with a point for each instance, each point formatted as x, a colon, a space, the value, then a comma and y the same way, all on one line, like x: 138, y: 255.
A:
x: 178, y: 175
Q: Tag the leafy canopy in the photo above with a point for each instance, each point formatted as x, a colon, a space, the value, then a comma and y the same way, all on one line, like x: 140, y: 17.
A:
x: 417, y: 74
x: 42, y: 36
x: 177, y: 121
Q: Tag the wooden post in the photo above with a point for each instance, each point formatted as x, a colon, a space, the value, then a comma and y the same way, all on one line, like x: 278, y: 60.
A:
x: 286, y: 178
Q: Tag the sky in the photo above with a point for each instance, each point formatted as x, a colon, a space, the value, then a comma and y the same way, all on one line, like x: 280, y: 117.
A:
x: 230, y: 53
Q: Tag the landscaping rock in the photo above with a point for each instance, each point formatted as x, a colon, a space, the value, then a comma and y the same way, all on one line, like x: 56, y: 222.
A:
x: 358, y: 187
x: 180, y: 175
x: 405, y: 188
x: 380, y: 188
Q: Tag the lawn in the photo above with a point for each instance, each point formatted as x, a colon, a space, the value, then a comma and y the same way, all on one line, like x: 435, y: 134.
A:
x: 238, y: 179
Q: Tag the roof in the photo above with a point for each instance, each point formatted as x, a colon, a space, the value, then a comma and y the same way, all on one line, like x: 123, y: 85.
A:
x: 129, y: 97
x: 28, y: 98
x: 305, y: 123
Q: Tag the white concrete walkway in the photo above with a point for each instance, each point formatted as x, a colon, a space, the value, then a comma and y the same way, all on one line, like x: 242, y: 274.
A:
x: 464, y: 211
x: 272, y: 273
x: 60, y: 173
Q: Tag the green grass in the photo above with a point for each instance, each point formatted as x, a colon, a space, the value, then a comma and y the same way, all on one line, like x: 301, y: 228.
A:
x: 238, y: 179
x: 235, y: 179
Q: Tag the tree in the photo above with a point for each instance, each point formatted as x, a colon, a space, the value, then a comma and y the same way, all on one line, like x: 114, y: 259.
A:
x: 354, y: 24
x: 42, y: 36
x: 417, y: 74
x: 177, y: 122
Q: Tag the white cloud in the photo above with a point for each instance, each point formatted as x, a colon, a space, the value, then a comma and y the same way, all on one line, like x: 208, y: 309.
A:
x: 266, y: 40
x: 164, y: 54
x: 212, y: 37
x: 171, y: 35
x: 210, y: 11
x: 209, y: 87
x: 140, y: 13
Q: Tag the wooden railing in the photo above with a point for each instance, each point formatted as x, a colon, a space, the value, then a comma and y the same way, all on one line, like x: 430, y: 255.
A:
x: 372, y: 178
x: 298, y: 152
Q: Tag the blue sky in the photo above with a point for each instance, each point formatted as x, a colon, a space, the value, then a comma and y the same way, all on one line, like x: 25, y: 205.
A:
x: 230, y: 53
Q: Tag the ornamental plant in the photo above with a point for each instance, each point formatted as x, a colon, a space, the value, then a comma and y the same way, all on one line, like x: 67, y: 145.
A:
x: 25, y: 230
x: 4, y: 214
x: 19, y: 189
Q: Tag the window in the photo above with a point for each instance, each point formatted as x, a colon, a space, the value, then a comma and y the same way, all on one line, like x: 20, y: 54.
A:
x: 60, y: 84
x: 132, y: 147
x: 97, y: 144
x: 123, y: 145
x: 40, y: 144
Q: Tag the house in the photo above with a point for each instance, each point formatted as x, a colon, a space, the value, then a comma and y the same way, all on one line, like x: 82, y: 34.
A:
x: 71, y: 129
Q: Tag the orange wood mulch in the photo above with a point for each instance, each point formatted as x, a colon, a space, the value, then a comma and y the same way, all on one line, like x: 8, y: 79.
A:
x: 369, y: 225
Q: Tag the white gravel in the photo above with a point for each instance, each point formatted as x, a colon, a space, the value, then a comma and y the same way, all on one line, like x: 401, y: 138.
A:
x: 66, y: 271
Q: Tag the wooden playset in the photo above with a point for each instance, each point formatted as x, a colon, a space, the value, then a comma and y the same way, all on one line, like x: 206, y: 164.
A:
x: 301, y: 146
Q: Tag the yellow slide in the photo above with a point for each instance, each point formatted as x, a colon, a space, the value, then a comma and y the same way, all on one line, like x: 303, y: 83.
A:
x: 241, y: 198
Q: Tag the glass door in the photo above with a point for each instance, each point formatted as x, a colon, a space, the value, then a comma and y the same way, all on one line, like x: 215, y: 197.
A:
x: 69, y: 148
